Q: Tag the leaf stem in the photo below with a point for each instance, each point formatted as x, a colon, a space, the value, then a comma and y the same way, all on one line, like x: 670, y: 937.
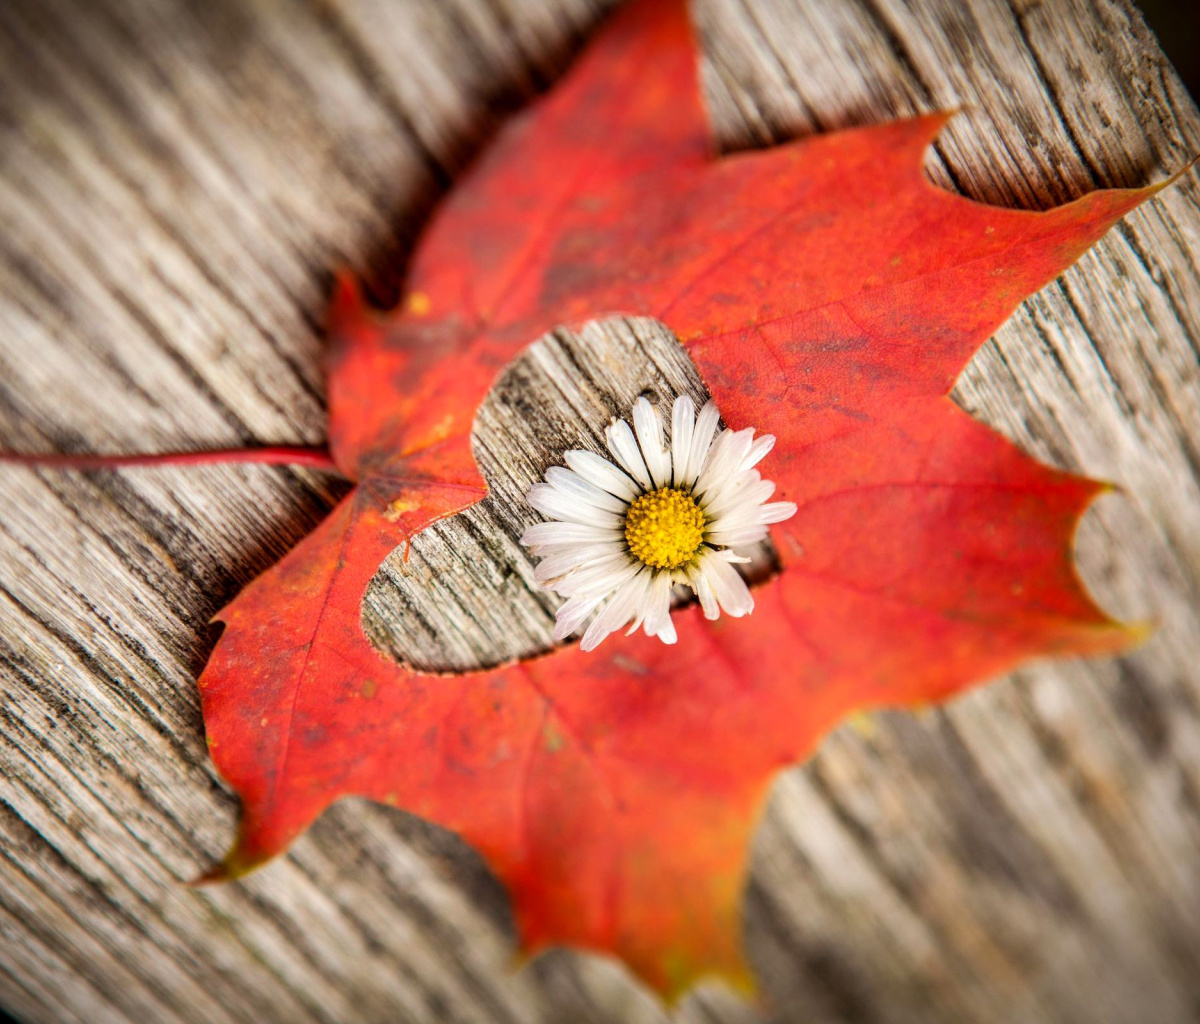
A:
x: 280, y: 455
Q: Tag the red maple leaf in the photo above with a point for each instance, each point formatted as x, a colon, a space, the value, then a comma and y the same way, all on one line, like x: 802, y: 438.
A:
x: 829, y: 294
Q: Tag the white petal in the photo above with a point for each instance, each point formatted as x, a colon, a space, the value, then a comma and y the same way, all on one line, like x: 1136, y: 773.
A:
x: 602, y: 577
x: 706, y: 425
x: 726, y: 455
x: 735, y: 518
x: 550, y: 501
x: 571, y: 615
x: 599, y: 471
x: 732, y: 556
x: 574, y: 486
x: 556, y: 535
x: 746, y: 498
x: 624, y: 447
x: 714, y: 464
x: 728, y: 586
x: 648, y: 425
x: 758, y: 451
x: 777, y: 511
x: 703, y: 590
x: 598, y: 580
x: 658, y: 612
x: 683, y: 422
x: 576, y: 557
x: 738, y: 538
x: 642, y: 604
x: 620, y: 607
x: 739, y: 503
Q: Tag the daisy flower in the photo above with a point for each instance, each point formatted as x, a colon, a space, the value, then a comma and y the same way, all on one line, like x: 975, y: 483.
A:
x: 626, y: 532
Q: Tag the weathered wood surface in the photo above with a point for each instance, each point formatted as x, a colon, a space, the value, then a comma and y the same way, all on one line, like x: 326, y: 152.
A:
x: 178, y: 178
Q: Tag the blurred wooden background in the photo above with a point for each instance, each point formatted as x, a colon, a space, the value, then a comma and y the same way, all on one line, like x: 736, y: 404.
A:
x: 177, y: 180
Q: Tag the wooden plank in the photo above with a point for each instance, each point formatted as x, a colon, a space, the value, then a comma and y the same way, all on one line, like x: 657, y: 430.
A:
x: 177, y: 181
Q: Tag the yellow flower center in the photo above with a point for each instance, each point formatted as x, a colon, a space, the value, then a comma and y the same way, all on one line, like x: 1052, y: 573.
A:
x: 664, y: 528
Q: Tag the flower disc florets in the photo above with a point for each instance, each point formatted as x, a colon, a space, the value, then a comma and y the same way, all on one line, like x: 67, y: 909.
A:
x: 625, y: 533
x: 664, y: 528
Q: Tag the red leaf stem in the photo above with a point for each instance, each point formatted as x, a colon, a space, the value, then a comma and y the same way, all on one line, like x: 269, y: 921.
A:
x: 278, y: 455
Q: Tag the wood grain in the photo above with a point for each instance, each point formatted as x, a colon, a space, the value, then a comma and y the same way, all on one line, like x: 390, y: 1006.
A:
x: 177, y: 181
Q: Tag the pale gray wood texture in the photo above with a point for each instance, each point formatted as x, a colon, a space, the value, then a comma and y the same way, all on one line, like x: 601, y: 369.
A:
x: 177, y: 180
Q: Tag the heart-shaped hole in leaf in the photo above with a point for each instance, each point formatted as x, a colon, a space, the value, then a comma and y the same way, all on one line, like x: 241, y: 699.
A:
x: 464, y: 597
